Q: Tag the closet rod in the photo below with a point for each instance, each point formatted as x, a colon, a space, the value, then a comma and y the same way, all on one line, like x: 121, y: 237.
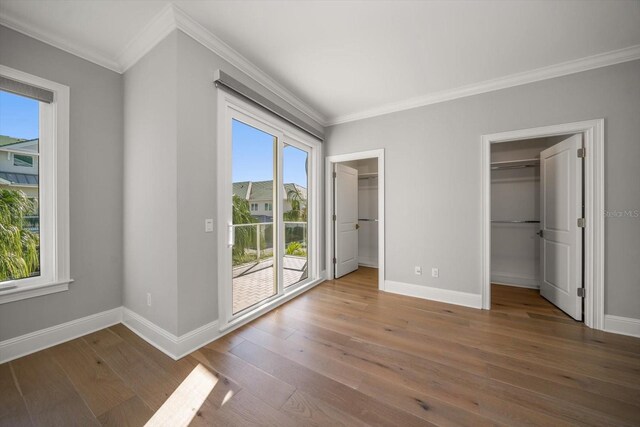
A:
x: 515, y: 222
x: 366, y: 219
x: 513, y: 167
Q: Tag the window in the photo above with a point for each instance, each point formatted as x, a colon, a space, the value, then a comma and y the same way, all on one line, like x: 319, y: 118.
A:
x: 33, y: 186
x: 20, y: 160
x: 264, y: 258
x: 254, y: 206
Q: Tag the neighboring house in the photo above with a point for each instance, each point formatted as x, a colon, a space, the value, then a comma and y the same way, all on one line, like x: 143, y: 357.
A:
x: 19, y: 165
x: 259, y: 194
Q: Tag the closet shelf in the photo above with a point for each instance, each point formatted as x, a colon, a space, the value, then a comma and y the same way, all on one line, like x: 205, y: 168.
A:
x: 368, y: 175
x: 515, y: 164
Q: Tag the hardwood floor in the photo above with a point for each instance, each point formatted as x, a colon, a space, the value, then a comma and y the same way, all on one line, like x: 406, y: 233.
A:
x: 346, y: 354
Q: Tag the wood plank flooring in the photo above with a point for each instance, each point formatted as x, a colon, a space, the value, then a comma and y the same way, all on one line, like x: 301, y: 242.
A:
x: 346, y: 354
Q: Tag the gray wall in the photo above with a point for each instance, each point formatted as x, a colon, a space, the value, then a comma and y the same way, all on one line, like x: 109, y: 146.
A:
x: 197, y: 179
x: 433, y: 176
x: 95, y: 148
x: 170, y: 182
x: 150, y: 189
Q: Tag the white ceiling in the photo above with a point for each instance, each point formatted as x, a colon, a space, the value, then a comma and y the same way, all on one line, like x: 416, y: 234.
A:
x: 347, y: 59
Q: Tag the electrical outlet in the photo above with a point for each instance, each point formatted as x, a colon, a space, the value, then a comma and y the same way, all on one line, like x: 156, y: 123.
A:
x: 418, y: 270
x: 208, y: 225
x: 149, y: 300
x: 435, y: 272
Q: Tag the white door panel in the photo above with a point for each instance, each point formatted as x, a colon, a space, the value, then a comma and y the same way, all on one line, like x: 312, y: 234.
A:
x: 561, y: 206
x: 346, y: 223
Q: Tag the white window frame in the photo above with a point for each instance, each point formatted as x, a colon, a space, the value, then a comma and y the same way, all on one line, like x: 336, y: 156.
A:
x: 54, y: 195
x: 230, y: 107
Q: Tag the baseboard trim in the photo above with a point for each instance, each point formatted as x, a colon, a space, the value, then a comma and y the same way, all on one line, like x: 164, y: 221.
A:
x: 434, y: 294
x: 172, y: 345
x: 517, y: 281
x: 622, y: 325
x: 23, y: 345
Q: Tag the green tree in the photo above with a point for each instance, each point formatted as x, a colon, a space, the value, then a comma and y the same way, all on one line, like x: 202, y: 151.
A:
x: 19, y: 256
x: 298, y: 202
x: 245, y: 236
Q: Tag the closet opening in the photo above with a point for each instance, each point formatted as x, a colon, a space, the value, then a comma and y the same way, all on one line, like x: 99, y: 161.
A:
x: 355, y: 212
x: 537, y: 232
x: 543, y: 223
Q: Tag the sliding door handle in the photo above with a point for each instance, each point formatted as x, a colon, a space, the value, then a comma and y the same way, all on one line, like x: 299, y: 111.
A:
x: 231, y: 236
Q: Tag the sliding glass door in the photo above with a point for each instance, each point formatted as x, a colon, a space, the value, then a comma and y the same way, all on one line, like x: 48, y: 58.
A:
x: 267, y: 181
x: 254, y: 276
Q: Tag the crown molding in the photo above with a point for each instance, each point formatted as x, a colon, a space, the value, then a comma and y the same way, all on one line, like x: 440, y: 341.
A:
x: 54, y: 41
x: 558, y: 70
x: 203, y: 36
x: 150, y: 35
x: 168, y: 19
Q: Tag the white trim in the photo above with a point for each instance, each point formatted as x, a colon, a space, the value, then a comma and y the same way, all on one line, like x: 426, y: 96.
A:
x: 173, y: 346
x: 434, y: 294
x: 44, y: 338
x: 52, y: 40
x: 206, y: 38
x: 622, y: 325
x: 329, y: 197
x: 171, y: 17
x: 509, y: 279
x: 593, y: 137
x: 232, y: 107
x: 54, y: 191
x: 16, y: 293
x: 178, y: 347
x: 159, y: 27
x: 162, y: 24
x: 605, y: 59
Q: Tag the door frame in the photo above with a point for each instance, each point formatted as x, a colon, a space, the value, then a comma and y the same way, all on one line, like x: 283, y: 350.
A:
x: 593, y: 187
x: 329, y: 205
x: 227, y: 105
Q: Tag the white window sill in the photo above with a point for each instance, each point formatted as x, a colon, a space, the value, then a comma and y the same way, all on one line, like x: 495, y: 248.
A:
x: 20, y: 292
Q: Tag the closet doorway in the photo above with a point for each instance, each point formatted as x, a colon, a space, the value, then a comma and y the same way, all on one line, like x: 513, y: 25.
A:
x: 355, y: 213
x: 536, y: 225
x: 543, y: 225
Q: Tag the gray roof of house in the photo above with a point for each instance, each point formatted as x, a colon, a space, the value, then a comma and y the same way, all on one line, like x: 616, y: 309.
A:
x: 240, y: 189
x: 19, y: 178
x: 263, y: 190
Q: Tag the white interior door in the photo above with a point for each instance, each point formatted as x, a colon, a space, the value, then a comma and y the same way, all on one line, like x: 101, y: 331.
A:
x: 561, y: 206
x: 346, y: 220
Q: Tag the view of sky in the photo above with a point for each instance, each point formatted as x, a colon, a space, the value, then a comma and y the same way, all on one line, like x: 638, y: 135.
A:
x: 253, y: 157
x: 18, y: 116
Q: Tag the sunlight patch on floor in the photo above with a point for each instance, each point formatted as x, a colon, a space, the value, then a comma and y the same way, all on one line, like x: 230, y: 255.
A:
x: 184, y: 403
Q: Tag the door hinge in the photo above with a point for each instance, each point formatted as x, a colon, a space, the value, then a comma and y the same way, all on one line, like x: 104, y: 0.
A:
x: 581, y: 293
x: 335, y: 175
x: 582, y: 222
x: 334, y: 260
x: 334, y: 217
x: 582, y: 153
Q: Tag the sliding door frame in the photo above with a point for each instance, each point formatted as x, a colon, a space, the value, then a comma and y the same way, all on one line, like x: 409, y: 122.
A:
x: 233, y: 107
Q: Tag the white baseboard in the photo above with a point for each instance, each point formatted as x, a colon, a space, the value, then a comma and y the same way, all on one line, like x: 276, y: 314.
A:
x: 172, y: 345
x: 517, y: 281
x: 39, y: 340
x: 435, y: 294
x: 622, y: 325
x: 367, y: 261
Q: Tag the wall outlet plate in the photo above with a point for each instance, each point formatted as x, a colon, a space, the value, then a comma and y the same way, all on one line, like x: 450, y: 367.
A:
x: 208, y: 225
x: 435, y: 272
x: 418, y: 270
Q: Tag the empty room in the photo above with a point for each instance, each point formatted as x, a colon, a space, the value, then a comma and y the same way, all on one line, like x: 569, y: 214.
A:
x: 319, y: 213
